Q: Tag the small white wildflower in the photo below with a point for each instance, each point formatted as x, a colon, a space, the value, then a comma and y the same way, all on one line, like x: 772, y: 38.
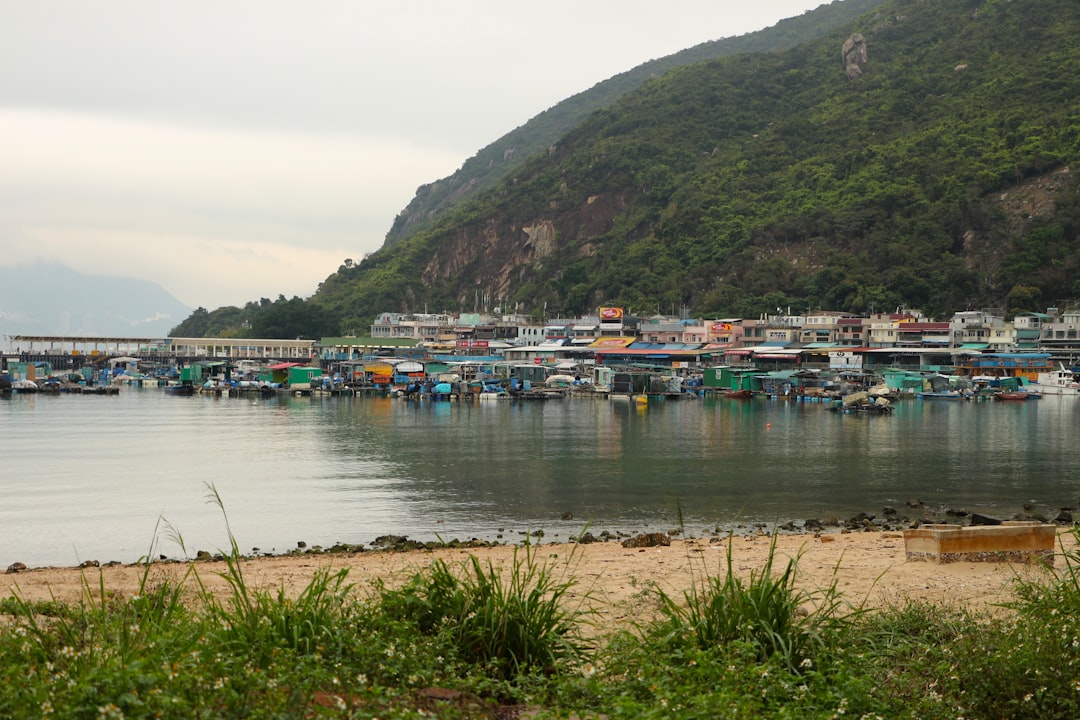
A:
x: 110, y: 712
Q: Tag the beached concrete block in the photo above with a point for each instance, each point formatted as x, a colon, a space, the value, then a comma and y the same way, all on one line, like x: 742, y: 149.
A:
x: 1018, y: 541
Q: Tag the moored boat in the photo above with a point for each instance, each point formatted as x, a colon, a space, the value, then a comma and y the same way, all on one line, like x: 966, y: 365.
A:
x: 186, y: 388
x: 1011, y: 396
x: 1058, y: 382
x: 943, y: 395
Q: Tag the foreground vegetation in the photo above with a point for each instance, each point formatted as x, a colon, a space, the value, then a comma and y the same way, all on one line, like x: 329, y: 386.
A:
x: 473, y: 640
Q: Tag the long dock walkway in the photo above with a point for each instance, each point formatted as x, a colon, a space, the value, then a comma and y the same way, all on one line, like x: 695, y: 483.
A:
x: 73, y: 352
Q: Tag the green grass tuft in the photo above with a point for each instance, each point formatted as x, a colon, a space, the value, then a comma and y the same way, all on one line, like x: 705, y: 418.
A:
x: 507, y: 623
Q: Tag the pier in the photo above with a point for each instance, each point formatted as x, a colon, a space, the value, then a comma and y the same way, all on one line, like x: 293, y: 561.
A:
x: 72, y: 353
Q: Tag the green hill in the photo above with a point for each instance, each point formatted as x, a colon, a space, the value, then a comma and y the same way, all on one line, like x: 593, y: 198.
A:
x: 934, y: 173
x: 502, y: 158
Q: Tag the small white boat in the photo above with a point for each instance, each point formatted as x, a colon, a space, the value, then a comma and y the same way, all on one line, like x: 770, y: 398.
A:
x: 24, y: 386
x: 1058, y: 382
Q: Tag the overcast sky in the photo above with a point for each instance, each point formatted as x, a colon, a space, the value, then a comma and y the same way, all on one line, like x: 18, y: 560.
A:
x: 231, y: 150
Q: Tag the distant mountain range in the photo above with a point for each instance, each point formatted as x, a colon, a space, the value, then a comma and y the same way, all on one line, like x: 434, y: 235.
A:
x: 53, y: 299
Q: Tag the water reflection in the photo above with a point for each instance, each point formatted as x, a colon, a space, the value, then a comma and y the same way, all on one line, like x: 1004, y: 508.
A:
x: 92, y: 475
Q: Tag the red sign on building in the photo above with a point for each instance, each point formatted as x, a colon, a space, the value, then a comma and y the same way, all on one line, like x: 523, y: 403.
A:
x: 610, y: 314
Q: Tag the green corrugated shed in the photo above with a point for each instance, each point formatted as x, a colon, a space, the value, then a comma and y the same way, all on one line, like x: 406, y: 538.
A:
x: 726, y: 377
x: 195, y: 372
x: 303, y: 375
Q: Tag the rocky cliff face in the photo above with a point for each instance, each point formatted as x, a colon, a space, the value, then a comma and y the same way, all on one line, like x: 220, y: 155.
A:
x: 497, y: 253
x: 1013, y: 213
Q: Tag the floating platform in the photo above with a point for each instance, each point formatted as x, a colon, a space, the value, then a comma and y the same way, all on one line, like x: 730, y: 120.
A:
x: 66, y: 389
x: 1019, y: 541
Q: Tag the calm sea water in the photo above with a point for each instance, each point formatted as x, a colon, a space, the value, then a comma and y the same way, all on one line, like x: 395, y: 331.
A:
x: 112, y: 477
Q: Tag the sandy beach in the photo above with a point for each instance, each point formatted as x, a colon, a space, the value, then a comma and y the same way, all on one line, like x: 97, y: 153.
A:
x: 869, y: 568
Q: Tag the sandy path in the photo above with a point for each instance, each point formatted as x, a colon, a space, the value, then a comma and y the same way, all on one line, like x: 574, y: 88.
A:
x: 868, y: 567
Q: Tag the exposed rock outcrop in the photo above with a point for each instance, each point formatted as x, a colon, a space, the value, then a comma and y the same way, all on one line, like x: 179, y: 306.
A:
x: 853, y: 54
x: 495, y: 254
x: 647, y: 540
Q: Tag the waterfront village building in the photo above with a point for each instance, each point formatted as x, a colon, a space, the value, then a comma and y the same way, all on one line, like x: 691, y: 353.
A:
x: 971, y: 330
x: 781, y: 341
x: 922, y: 334
x: 771, y: 330
x: 1029, y: 327
x: 726, y: 332
x: 822, y: 328
x: 1059, y: 331
x: 981, y: 330
x: 882, y: 330
x: 850, y: 332
x: 665, y: 330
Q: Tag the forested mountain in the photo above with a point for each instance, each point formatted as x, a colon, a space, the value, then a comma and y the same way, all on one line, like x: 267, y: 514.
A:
x: 502, y: 158
x: 916, y: 156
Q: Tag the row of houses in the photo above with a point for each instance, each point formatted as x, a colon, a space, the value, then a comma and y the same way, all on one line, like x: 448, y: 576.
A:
x: 614, y: 337
x: 477, y: 334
